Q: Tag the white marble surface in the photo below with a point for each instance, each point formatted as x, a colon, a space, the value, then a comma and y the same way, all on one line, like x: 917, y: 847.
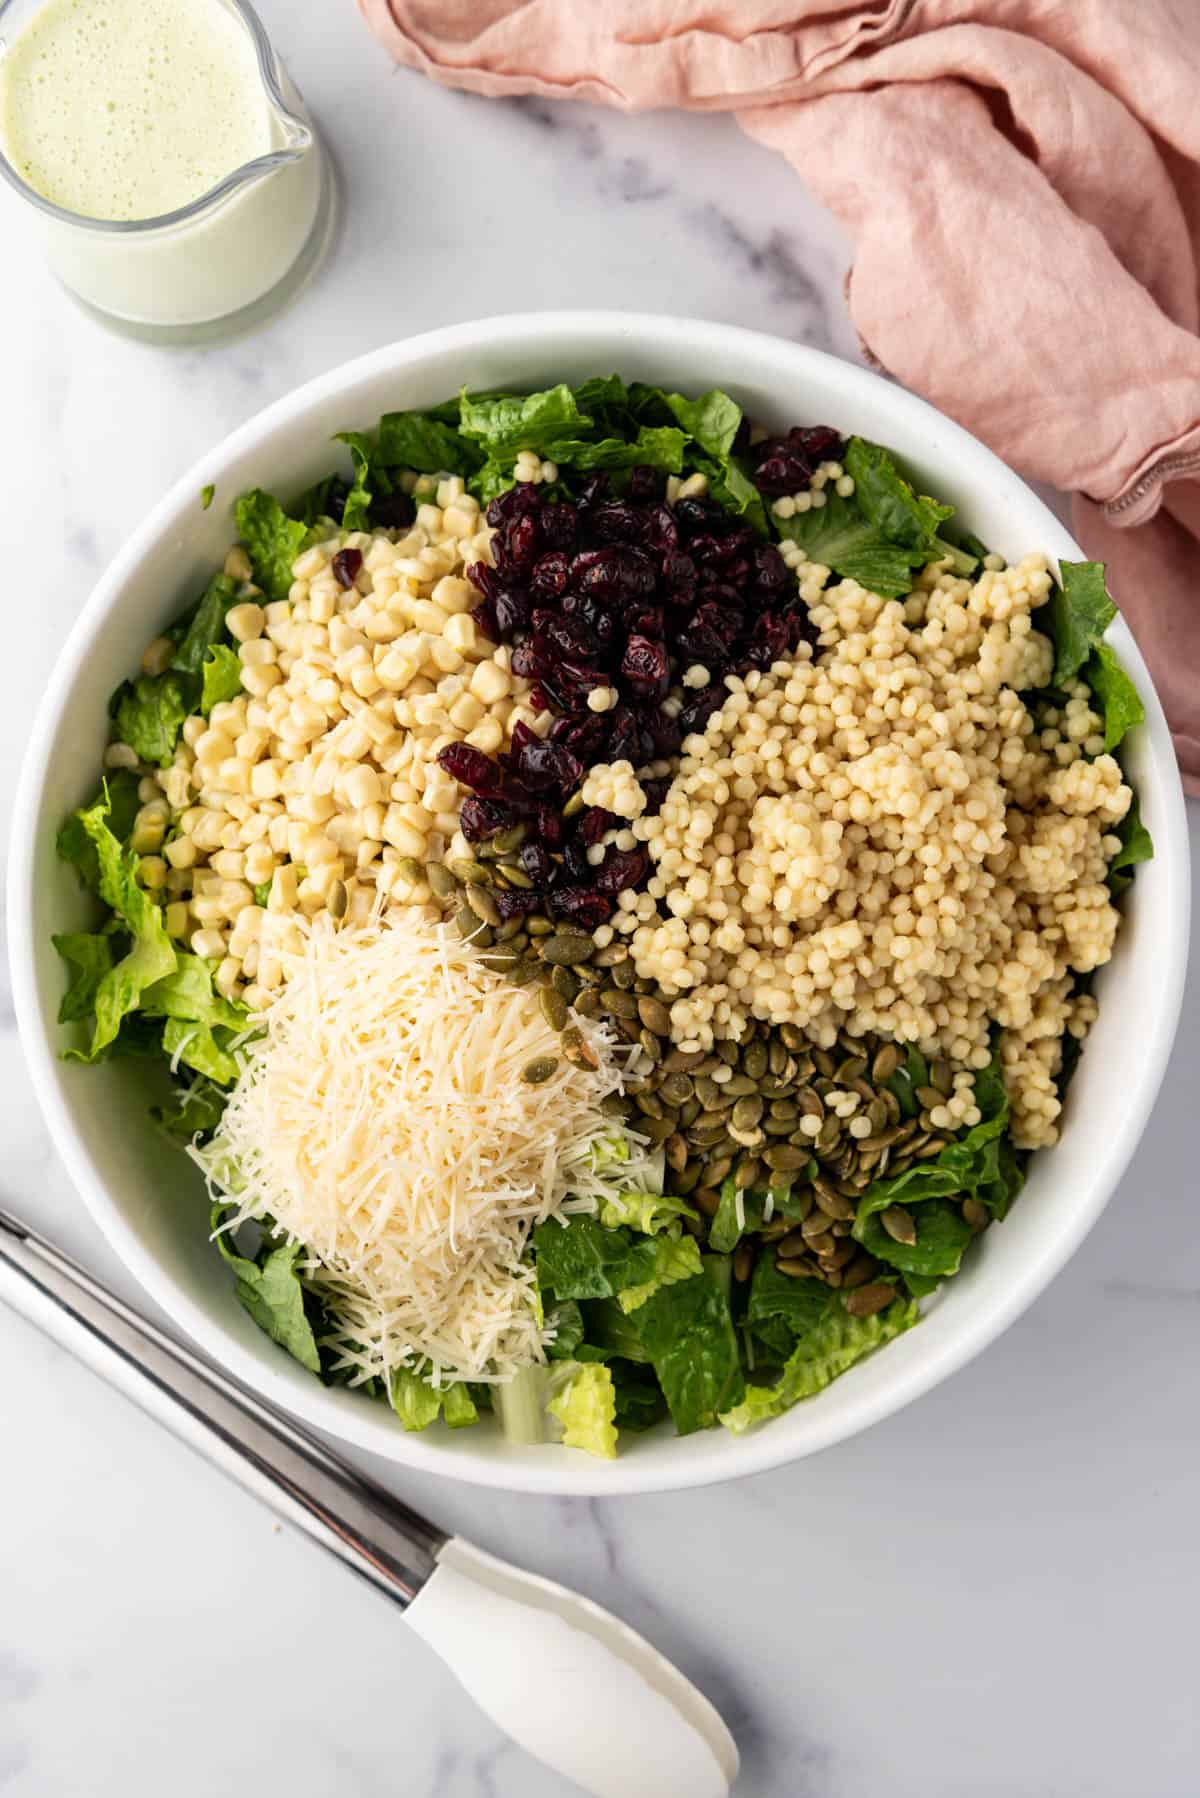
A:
x: 991, y: 1596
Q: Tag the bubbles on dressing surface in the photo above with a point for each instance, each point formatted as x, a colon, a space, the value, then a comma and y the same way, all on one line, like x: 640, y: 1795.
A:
x: 126, y: 109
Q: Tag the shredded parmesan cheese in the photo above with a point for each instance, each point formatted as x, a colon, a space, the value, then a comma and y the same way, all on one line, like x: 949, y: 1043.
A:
x: 381, y: 1119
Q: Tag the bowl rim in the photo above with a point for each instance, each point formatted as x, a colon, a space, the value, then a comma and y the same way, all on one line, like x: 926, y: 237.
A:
x: 728, y: 1459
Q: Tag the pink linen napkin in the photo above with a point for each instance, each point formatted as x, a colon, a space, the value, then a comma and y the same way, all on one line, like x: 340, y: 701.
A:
x: 1022, y: 182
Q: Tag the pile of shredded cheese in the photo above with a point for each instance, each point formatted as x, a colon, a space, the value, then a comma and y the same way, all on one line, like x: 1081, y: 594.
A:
x: 381, y: 1119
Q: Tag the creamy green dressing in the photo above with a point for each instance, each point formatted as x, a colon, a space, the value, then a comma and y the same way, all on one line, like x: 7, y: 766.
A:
x: 127, y: 109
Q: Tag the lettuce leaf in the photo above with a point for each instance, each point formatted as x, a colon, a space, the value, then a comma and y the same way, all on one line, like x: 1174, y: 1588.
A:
x: 1078, y: 613
x: 646, y: 1212
x: 583, y: 1402
x: 1136, y: 846
x: 193, y: 1111
x: 421, y: 441
x: 881, y: 533
x: 639, y: 1398
x: 687, y: 1330
x: 566, y: 1321
x: 655, y: 446
x: 73, y: 843
x: 942, y: 1238
x: 1115, y: 694
x: 206, y: 625
x: 188, y: 993
x: 724, y: 1233
x: 272, y: 540
x: 513, y: 422
x: 675, y: 1258
x: 829, y: 1342
x: 199, y: 1046
x: 900, y: 515
x: 418, y: 1403
x: 712, y: 420
x: 222, y: 674
x: 271, y: 1291
x: 969, y: 1162
x: 583, y: 1260
x: 151, y: 956
x: 150, y: 714
x: 91, y: 957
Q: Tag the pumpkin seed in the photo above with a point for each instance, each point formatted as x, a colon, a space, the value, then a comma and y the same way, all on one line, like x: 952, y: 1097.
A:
x: 588, y: 1005
x: 676, y: 1152
x: 795, y: 1269
x: 568, y: 948
x: 536, y: 925
x: 563, y: 981
x: 654, y: 1015
x: 676, y: 1089
x: 472, y: 873
x: 865, y: 1301
x: 743, y: 1262
x: 574, y: 806
x: 514, y: 877
x: 975, y: 1214
x: 706, y: 1199
x: 471, y: 926
x: 483, y: 905
x: 650, y: 1044
x: 337, y: 900
x: 554, y: 1008
x: 442, y: 882
x: 941, y: 1076
x: 887, y: 1060
x: 833, y: 1203
x: 784, y: 1155
x: 610, y: 956
x: 682, y: 1061
x: 928, y: 1096
x: 540, y: 1069
x: 793, y: 1243
x: 624, y: 975
x: 899, y: 1225
x: 576, y: 1047
x: 522, y: 972
x: 747, y: 1112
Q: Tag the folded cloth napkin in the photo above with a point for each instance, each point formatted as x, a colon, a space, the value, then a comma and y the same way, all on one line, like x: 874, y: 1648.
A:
x: 1022, y: 182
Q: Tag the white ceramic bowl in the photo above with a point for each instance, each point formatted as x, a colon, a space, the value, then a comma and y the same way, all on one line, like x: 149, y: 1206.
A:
x: 149, y: 1201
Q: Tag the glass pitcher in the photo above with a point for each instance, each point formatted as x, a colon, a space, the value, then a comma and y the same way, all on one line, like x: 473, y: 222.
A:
x: 219, y: 264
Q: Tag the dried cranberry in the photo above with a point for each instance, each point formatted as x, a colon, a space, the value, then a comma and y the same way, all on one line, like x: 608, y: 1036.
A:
x: 513, y: 503
x: 471, y: 767
x: 770, y: 569
x: 511, y: 904
x: 664, y: 735
x: 592, y: 615
x: 591, y: 824
x: 679, y: 578
x: 524, y: 661
x: 618, y: 576
x: 582, y: 906
x: 520, y: 543
x: 700, y: 707
x: 544, y: 766
x: 782, y: 473
x: 549, y: 576
x: 660, y: 531
x: 346, y: 565
x: 593, y: 492
x: 655, y: 789
x: 646, y: 483
x: 575, y: 861
x: 560, y: 526
x: 584, y: 736
x: 617, y: 522
x: 646, y: 621
x: 482, y: 818
x: 621, y: 868
x: 540, y: 866
x: 484, y: 576
x: 698, y: 515
x: 550, y: 826
x: 770, y: 640
x: 511, y: 608
x: 389, y: 511
x: 644, y: 665
x: 624, y: 736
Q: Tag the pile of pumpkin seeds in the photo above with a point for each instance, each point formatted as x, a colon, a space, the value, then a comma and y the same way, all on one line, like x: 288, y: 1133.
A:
x: 771, y: 1112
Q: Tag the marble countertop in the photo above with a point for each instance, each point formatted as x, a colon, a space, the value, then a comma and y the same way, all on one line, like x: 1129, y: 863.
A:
x: 986, y: 1597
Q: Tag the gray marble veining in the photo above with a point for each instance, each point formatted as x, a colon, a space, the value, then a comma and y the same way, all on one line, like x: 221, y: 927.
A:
x: 986, y: 1597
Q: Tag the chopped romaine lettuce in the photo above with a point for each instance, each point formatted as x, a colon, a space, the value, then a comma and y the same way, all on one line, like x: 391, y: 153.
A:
x: 272, y: 540
x: 827, y: 1342
x: 583, y: 1402
x: 270, y: 1290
